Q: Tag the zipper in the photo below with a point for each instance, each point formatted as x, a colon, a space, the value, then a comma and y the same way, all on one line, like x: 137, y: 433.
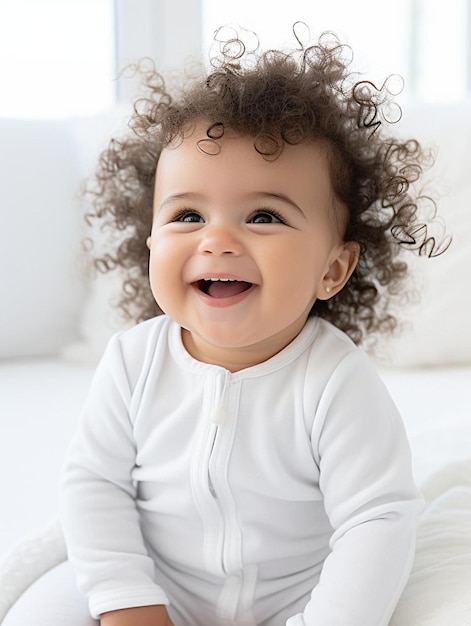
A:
x: 205, y: 493
x: 218, y: 418
x: 222, y: 541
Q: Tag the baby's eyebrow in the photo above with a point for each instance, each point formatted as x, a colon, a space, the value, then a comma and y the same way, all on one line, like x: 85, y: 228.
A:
x: 278, y: 196
x: 189, y: 196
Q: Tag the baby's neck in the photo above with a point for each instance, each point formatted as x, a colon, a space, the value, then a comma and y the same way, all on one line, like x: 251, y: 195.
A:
x: 235, y: 359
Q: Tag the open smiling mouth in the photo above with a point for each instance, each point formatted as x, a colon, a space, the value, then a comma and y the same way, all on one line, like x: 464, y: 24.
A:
x: 222, y: 287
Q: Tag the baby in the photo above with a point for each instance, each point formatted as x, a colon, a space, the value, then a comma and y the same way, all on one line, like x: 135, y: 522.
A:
x: 239, y: 461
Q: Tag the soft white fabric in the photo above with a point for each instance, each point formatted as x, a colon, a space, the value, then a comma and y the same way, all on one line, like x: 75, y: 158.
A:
x: 439, y: 590
x: 27, y: 561
x: 51, y: 600
x: 241, y: 481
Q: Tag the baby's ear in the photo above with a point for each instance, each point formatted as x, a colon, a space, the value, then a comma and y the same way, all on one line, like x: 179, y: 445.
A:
x: 148, y: 242
x: 341, y: 268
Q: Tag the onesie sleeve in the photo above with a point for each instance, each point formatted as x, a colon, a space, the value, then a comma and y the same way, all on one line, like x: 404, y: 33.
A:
x: 360, y: 445
x: 97, y: 498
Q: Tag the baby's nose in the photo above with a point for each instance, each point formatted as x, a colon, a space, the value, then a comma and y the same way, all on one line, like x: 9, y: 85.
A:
x: 220, y: 240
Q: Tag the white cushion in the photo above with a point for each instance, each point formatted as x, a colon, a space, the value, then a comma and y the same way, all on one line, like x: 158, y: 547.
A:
x: 437, y: 329
x: 41, y: 280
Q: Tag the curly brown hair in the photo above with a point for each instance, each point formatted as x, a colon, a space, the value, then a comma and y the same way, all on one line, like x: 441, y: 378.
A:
x: 278, y: 97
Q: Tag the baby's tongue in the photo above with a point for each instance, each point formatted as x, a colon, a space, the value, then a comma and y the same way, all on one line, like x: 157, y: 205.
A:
x: 226, y: 289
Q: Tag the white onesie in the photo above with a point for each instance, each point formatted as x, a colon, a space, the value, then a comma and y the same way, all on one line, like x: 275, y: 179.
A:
x: 279, y: 494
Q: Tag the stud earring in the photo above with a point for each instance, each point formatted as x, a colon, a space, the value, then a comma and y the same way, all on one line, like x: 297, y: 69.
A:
x: 328, y: 289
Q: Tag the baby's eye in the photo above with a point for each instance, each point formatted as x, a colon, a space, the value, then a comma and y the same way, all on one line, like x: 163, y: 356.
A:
x: 188, y: 217
x: 265, y: 216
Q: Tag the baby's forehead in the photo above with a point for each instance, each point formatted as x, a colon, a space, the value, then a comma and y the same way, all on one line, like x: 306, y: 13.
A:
x: 234, y: 156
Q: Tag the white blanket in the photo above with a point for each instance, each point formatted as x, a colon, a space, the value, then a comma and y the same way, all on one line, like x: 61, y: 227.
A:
x: 437, y: 594
x: 439, y: 590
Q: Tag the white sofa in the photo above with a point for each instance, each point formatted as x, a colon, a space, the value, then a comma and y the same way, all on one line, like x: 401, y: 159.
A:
x: 55, y: 321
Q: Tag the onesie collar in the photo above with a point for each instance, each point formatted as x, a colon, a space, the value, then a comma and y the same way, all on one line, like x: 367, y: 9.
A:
x: 290, y: 353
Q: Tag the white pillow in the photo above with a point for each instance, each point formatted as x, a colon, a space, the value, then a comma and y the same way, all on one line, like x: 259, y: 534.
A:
x: 99, y: 316
x: 437, y: 329
x: 41, y: 283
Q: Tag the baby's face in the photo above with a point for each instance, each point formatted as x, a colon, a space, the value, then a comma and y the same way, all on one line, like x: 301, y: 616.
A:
x: 241, y: 247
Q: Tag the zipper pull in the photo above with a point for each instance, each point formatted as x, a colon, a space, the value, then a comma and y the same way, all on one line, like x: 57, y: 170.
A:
x: 219, y: 416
